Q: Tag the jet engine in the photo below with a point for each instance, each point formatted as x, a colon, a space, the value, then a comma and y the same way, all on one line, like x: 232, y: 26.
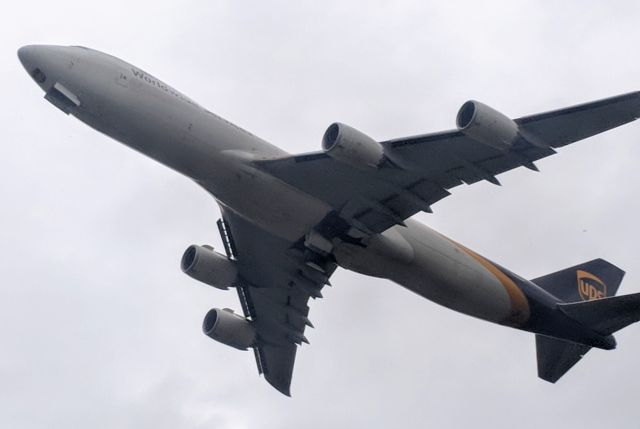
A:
x: 486, y: 125
x: 348, y: 145
x: 229, y: 328
x: 208, y: 266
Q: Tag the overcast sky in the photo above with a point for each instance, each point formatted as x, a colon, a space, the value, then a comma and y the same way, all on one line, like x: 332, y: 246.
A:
x: 100, y: 329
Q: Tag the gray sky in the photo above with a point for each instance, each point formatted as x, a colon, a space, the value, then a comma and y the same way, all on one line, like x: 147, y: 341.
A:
x: 100, y: 329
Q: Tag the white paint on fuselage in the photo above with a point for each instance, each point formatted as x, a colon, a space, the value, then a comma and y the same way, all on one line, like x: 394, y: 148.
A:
x: 439, y: 270
x: 149, y: 116
x: 144, y: 113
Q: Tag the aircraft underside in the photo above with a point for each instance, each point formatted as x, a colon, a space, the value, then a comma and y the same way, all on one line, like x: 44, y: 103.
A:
x: 288, y: 221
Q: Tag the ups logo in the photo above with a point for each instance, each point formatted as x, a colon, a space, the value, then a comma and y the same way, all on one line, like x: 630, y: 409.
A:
x: 590, y: 286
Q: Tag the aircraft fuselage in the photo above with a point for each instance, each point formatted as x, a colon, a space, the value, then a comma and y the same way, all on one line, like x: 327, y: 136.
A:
x: 142, y: 112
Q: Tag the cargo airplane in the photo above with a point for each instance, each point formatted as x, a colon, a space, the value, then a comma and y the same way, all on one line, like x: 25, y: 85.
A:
x: 288, y: 221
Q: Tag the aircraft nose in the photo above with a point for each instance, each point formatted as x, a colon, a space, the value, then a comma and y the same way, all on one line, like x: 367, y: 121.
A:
x: 23, y: 54
x: 26, y: 56
x: 45, y: 63
x: 34, y: 60
x: 30, y: 54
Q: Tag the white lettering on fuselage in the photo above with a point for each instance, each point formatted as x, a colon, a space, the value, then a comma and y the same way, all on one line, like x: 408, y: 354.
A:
x: 150, y: 80
x: 162, y: 86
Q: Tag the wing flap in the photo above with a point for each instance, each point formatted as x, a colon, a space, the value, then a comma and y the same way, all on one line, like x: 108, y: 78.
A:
x: 276, y: 280
x: 274, y: 287
x: 435, y: 163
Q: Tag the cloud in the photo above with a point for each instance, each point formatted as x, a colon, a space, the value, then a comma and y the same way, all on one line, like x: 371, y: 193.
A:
x: 100, y: 327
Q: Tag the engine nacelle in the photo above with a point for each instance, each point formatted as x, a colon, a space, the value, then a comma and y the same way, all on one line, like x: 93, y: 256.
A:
x: 229, y: 328
x: 486, y: 125
x: 208, y: 266
x: 348, y: 145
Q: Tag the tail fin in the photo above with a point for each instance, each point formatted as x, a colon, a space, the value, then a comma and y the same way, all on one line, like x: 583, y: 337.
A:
x: 588, y: 293
x: 591, y: 280
x: 556, y: 357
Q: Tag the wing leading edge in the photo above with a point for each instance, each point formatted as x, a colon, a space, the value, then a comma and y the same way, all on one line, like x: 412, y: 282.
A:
x: 275, y: 278
x: 274, y: 285
x: 376, y: 199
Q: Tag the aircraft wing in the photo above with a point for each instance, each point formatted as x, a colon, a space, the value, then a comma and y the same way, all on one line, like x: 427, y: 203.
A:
x: 372, y: 200
x: 275, y: 278
x: 274, y: 285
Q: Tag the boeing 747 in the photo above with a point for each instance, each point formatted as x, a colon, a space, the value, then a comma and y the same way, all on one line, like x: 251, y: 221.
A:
x: 288, y: 221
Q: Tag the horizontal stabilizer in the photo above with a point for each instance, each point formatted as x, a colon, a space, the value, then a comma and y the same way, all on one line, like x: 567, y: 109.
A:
x: 556, y: 357
x: 606, y: 315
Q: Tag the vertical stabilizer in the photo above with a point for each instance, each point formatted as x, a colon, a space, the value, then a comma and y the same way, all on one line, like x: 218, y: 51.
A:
x: 592, y: 280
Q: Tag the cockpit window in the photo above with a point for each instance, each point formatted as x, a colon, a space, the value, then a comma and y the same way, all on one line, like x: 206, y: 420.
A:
x: 38, y: 75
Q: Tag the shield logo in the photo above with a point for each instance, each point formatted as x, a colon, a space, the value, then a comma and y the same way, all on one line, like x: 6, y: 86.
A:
x: 590, y: 287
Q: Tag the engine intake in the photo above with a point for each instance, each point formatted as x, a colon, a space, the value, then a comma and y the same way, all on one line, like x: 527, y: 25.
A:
x: 229, y: 328
x: 348, y: 145
x: 486, y: 125
x: 208, y: 266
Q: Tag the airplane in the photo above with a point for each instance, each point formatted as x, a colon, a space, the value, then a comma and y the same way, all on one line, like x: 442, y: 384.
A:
x: 288, y: 221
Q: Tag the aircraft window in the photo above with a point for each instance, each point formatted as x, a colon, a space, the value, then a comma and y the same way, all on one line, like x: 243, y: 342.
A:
x: 38, y: 75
